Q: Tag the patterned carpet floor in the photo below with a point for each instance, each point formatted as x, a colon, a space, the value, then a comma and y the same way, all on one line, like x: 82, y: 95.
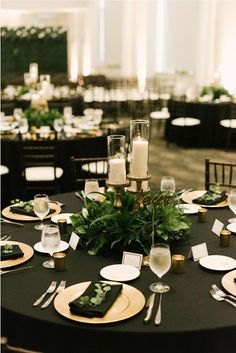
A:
x: 186, y: 165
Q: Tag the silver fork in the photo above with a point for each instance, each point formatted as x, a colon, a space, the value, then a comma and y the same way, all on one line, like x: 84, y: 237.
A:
x: 221, y: 293
x: 219, y: 298
x: 59, y: 289
x: 50, y: 289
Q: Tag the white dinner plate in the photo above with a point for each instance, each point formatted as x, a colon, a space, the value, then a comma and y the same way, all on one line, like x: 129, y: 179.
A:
x: 66, y: 216
x: 228, y: 282
x: 120, y: 272
x: 61, y: 247
x: 188, y: 208
x: 218, y: 262
x: 232, y: 227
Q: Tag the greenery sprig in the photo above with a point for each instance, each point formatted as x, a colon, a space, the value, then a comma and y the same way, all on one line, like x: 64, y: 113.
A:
x: 101, y: 290
x: 8, y: 249
x: 102, y: 228
x: 26, y: 205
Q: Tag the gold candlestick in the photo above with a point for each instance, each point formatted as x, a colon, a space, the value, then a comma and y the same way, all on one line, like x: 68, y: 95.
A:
x: 139, y: 191
x: 118, y: 188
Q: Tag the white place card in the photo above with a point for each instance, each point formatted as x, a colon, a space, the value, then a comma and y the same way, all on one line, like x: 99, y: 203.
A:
x: 74, y: 240
x: 198, y: 251
x: 217, y: 227
x: 132, y: 259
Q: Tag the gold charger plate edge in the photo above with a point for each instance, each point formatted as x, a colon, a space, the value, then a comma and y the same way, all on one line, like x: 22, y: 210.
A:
x: 69, y: 294
x: 191, y: 195
x: 228, y: 283
x: 18, y: 217
x: 26, y: 249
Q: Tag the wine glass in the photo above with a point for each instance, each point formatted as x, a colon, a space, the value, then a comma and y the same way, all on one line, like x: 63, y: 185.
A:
x: 23, y: 126
x: 41, y: 208
x: 168, y: 184
x: 232, y: 204
x: 160, y: 262
x: 58, y: 125
x: 91, y: 186
x: 50, y: 241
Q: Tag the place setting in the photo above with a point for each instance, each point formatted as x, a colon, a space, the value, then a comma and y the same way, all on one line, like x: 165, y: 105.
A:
x: 38, y: 208
x: 206, y: 198
x: 14, y: 253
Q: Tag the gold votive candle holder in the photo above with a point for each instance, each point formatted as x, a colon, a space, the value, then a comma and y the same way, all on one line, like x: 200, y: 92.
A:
x: 62, y: 225
x: 202, y: 215
x: 225, y: 237
x: 178, y: 263
x: 59, y: 261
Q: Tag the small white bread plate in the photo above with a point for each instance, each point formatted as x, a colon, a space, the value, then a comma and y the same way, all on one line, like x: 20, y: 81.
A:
x: 120, y: 272
x: 66, y: 216
x: 232, y: 227
x: 61, y: 247
x: 218, y: 262
x: 188, y: 208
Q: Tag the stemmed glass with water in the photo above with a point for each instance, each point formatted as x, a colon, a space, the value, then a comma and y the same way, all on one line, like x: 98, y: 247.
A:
x: 232, y: 204
x: 50, y: 241
x: 167, y: 184
x: 41, y: 208
x: 160, y: 262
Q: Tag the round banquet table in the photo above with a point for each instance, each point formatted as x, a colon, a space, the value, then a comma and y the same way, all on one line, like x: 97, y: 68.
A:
x: 192, y: 321
x: 209, y: 133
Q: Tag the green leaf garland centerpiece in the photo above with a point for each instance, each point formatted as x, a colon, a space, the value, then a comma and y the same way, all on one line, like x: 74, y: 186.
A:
x: 104, y: 228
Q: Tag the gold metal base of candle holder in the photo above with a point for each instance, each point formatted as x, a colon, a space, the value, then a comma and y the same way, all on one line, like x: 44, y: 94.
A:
x: 139, y: 191
x: 118, y: 188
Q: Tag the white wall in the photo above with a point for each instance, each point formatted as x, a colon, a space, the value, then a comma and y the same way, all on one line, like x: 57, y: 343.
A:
x: 191, y: 35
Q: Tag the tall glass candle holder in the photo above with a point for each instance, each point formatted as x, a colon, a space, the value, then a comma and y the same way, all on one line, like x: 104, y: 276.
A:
x: 117, y: 166
x: 139, y: 134
x: 33, y: 71
x: 116, y: 159
x: 139, y: 176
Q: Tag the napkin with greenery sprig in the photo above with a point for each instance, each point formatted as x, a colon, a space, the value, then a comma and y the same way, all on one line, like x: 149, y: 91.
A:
x: 25, y: 208
x: 96, y: 299
x: 9, y: 251
x: 211, y: 197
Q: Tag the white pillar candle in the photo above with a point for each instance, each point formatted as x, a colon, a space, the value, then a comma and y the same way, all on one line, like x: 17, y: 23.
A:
x: 139, y: 158
x: 117, y: 172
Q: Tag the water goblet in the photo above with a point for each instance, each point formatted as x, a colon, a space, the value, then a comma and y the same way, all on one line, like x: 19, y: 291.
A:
x: 50, y: 241
x: 168, y: 184
x: 23, y: 126
x: 232, y: 204
x: 41, y: 208
x: 91, y: 186
x: 58, y: 125
x: 160, y: 262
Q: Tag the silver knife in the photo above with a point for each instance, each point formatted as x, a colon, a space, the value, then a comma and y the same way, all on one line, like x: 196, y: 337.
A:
x: 149, y: 305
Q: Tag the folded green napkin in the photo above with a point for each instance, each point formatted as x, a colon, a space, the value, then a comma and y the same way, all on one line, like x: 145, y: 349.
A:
x: 23, y: 211
x: 211, y: 198
x: 9, y: 252
x: 86, y: 304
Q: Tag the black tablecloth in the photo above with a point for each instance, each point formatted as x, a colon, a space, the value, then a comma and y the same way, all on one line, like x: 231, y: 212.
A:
x: 192, y: 321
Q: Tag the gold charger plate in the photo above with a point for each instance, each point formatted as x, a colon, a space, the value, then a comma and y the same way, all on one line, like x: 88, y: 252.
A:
x: 20, y: 217
x: 130, y: 302
x: 188, y: 197
x: 25, y: 248
x: 228, y: 282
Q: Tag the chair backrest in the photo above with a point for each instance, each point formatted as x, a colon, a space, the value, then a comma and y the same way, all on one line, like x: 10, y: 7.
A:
x: 88, y: 168
x: 220, y: 173
x: 39, y: 150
